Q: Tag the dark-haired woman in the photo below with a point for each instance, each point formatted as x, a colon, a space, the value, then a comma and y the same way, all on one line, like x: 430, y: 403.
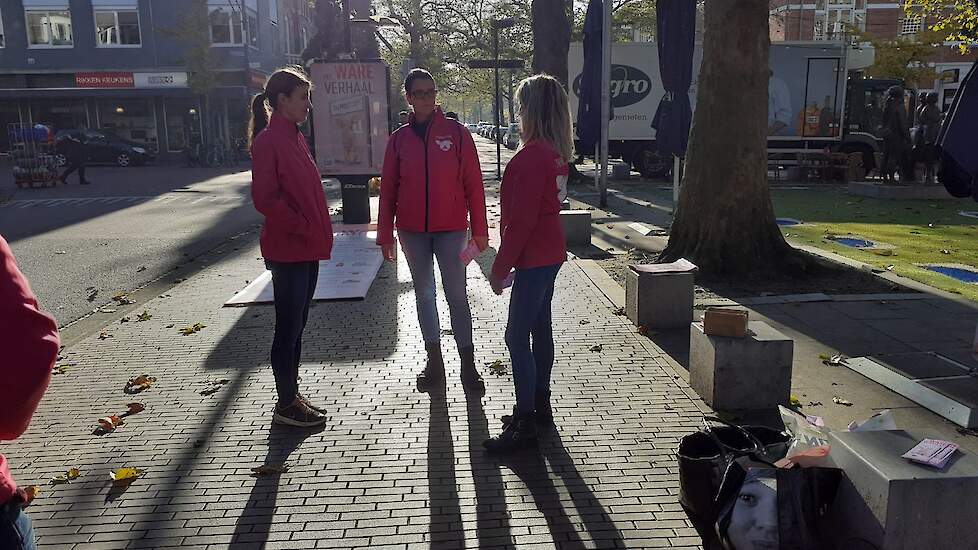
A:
x: 431, y: 190
x: 297, y: 234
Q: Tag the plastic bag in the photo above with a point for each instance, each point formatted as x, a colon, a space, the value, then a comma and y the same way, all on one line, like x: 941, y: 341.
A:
x: 804, y: 435
x: 882, y: 420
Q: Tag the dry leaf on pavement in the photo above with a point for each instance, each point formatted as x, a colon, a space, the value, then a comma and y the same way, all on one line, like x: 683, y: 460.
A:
x: 269, y: 469
x: 122, y: 299
x: 139, y: 383
x: 109, y: 423
x: 215, y: 385
x: 66, y: 477
x: 30, y: 493
x: 795, y: 402
x: 135, y: 408
x: 144, y: 316
x: 834, y: 360
x: 104, y: 334
x: 125, y: 474
x: 60, y: 369
x: 192, y: 329
x: 840, y: 401
x: 597, y: 347
x: 497, y: 367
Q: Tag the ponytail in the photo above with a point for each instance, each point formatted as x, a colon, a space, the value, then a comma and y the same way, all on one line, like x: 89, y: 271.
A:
x: 259, y: 117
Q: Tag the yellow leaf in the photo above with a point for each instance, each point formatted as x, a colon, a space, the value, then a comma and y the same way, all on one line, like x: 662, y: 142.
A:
x: 795, y: 401
x: 31, y: 492
x: 124, y: 474
x: 71, y: 474
x: 144, y: 316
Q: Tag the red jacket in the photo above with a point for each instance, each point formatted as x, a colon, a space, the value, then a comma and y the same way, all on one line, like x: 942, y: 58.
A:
x: 29, y: 344
x: 288, y: 191
x: 530, y: 227
x: 431, y: 184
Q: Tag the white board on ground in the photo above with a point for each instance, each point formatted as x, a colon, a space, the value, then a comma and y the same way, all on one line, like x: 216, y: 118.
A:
x: 347, y: 275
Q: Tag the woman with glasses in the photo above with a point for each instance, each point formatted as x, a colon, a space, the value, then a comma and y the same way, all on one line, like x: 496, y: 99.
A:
x: 431, y: 191
x: 533, y: 245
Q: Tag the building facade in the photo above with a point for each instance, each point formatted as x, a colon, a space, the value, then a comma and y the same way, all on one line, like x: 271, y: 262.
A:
x: 122, y: 66
x: 792, y: 20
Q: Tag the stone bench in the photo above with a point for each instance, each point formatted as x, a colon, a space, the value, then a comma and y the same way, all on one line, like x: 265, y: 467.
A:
x: 660, y: 295
x: 577, y: 227
x: 895, y: 504
x: 734, y: 374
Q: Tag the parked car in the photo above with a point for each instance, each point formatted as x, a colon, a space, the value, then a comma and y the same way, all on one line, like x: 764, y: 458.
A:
x: 471, y: 127
x: 107, y: 148
x: 512, y: 138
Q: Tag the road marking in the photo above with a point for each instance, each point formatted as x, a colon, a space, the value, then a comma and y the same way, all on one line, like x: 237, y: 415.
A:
x: 164, y: 199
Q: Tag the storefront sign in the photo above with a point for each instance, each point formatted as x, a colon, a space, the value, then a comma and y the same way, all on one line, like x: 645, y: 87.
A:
x: 104, y: 80
x: 351, y: 117
x: 160, y: 80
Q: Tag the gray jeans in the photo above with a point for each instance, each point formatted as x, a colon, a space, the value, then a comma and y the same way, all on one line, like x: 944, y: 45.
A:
x: 421, y: 249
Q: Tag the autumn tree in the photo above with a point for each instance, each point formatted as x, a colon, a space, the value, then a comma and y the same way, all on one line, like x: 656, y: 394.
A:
x: 724, y: 220
x: 955, y: 20
x: 904, y: 57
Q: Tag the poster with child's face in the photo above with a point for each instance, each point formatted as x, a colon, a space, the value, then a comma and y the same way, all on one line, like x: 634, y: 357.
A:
x: 350, y: 117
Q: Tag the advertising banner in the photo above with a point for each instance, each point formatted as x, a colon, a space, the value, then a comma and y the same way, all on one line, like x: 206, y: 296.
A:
x: 350, y: 117
x: 104, y: 80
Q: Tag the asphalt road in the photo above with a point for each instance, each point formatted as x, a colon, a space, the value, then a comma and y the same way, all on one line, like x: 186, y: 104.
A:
x: 81, y: 245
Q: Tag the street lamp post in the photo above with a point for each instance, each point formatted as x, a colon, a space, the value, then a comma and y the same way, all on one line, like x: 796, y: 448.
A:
x: 496, y: 25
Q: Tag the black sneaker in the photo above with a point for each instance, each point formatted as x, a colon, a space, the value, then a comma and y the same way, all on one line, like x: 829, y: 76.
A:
x: 309, y: 404
x: 298, y: 414
x: 519, y: 433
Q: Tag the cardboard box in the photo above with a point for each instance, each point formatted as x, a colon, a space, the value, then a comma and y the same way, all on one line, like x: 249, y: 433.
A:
x: 731, y: 323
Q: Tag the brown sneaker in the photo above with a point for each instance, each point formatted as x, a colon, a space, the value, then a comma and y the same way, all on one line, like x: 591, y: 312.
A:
x: 309, y: 404
x: 298, y: 414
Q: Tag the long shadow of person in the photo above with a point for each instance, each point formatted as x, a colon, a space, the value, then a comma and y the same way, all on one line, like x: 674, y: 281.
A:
x: 492, y: 521
x: 445, y: 512
x: 255, y: 521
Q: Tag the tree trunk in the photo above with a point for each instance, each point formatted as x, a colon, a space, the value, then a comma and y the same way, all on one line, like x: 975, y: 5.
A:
x: 724, y: 221
x: 551, y: 38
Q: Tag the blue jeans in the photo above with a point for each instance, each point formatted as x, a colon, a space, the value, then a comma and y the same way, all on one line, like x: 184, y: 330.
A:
x: 421, y: 249
x: 294, y: 284
x: 529, y: 314
x: 16, y: 530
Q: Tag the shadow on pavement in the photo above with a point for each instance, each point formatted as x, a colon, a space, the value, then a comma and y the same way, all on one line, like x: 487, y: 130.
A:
x: 492, y: 520
x: 255, y: 521
x: 445, y: 528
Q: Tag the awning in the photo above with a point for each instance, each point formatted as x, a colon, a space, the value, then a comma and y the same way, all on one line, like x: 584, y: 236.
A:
x: 45, y: 4
x: 115, y: 4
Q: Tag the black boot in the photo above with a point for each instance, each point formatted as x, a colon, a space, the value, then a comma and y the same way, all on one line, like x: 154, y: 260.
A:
x: 544, y: 413
x: 433, y: 374
x: 471, y: 379
x: 519, y: 433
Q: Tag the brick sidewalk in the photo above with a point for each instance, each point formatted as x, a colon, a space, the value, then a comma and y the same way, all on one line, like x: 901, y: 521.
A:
x: 393, y: 469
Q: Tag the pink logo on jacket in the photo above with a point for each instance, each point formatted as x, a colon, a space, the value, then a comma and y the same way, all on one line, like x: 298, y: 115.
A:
x: 444, y: 143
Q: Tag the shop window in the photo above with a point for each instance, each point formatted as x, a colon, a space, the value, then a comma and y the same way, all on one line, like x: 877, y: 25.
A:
x: 49, y: 28
x: 226, y: 27
x: 61, y: 114
x: 131, y: 119
x: 182, y: 124
x: 117, y: 28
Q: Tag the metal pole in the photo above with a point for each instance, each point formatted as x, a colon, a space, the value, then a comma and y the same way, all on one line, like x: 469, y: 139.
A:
x: 495, y: 70
x: 347, y: 28
x: 676, y: 164
x: 605, y: 100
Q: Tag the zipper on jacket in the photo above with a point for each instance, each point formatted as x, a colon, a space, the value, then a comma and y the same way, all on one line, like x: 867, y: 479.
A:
x: 427, y: 181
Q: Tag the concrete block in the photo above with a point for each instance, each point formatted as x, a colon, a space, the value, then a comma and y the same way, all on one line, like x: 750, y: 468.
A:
x: 659, y: 300
x: 741, y: 373
x: 577, y: 227
x: 896, y: 504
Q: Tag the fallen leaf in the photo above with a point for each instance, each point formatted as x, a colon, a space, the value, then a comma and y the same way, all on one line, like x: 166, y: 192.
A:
x: 584, y: 322
x: 141, y: 268
x: 835, y: 360
x: 269, y: 469
x: 135, y: 408
x: 795, y: 401
x: 124, y: 320
x: 30, y: 493
x: 945, y: 251
x: 144, y: 316
x: 192, y: 329
x: 60, y: 369
x: 125, y: 474
x: 104, y: 334
x: 109, y: 423
x: 840, y: 401
x: 122, y: 299
x: 497, y: 367
x: 890, y: 267
x: 61, y: 252
x: 139, y: 383
x: 597, y: 347
x: 619, y: 311
x: 170, y: 325
x: 71, y: 474
x: 214, y: 386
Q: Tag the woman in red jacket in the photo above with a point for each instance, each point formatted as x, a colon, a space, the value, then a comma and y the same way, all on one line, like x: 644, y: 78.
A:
x: 430, y: 189
x: 533, y: 244
x: 297, y: 234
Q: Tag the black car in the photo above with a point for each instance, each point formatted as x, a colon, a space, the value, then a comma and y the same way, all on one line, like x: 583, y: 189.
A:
x: 107, y: 148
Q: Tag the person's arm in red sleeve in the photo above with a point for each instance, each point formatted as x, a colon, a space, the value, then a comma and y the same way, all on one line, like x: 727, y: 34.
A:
x: 390, y: 180
x: 29, y: 343
x: 522, y: 216
x: 266, y: 191
x: 475, y: 192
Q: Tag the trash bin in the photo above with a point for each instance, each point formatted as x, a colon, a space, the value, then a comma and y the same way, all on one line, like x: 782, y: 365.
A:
x: 355, y: 193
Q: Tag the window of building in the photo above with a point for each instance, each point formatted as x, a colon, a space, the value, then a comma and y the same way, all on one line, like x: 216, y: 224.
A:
x: 226, y: 26
x: 837, y: 21
x: 252, y: 30
x: 131, y: 119
x: 182, y: 123
x: 117, y: 28
x: 911, y: 25
x: 49, y: 28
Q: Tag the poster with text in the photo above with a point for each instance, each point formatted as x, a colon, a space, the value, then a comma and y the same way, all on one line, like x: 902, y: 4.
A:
x: 350, y: 117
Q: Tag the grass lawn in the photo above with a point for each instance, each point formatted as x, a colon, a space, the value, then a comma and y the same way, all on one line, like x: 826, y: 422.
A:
x: 923, y: 232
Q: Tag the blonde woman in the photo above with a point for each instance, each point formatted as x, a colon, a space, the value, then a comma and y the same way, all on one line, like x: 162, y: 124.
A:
x: 533, y: 245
